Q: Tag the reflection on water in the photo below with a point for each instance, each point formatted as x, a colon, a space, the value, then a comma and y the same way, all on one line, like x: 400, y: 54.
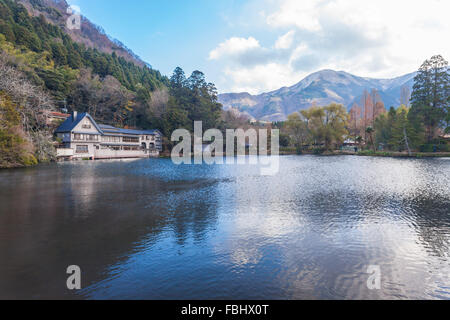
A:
x: 148, y: 229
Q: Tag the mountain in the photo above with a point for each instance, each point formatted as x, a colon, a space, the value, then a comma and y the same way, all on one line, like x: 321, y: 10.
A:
x: 91, y: 35
x: 320, y: 88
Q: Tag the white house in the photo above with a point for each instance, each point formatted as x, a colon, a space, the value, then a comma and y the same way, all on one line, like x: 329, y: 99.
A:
x: 83, y: 138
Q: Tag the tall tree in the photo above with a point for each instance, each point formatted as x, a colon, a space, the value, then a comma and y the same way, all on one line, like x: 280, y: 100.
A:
x: 355, y: 120
x: 367, y: 110
x: 178, y: 78
x: 405, y: 96
x: 297, y: 129
x: 376, y: 104
x: 430, y: 97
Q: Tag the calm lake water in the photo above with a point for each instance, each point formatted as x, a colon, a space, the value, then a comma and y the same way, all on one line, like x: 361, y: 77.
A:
x: 148, y: 229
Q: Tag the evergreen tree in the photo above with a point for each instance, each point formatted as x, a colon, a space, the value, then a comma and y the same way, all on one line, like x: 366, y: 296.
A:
x: 430, y: 97
x: 178, y: 79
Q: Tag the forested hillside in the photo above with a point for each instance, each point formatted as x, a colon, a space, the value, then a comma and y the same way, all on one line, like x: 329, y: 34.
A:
x: 42, y: 56
x: 58, y: 12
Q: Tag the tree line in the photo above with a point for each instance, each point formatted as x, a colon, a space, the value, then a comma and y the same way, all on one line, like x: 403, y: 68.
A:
x: 418, y: 124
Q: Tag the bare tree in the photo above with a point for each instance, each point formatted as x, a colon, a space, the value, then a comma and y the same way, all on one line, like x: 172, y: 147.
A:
x: 31, y: 99
x: 159, y: 100
x: 405, y: 96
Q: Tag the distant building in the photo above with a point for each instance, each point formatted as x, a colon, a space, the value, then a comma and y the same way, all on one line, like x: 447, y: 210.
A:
x: 350, y: 142
x: 83, y: 138
x: 53, y: 118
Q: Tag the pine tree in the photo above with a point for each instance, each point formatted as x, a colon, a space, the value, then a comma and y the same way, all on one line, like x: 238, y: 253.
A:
x: 430, y: 97
x: 178, y: 79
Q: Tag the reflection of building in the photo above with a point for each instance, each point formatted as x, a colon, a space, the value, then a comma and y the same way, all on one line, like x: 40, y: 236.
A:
x: 82, y: 137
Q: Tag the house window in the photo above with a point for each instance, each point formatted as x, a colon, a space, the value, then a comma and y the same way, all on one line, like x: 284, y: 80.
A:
x: 78, y: 136
x: 131, y: 139
x: 131, y: 148
x: 110, y: 139
x: 86, y: 125
x: 91, y: 138
x: 82, y: 149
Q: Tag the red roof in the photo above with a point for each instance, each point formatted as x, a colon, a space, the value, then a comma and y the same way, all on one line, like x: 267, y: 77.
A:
x: 59, y: 114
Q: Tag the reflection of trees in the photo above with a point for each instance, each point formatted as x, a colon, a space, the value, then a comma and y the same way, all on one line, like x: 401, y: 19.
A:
x: 190, y: 207
x: 88, y: 214
x: 432, y: 222
x: 427, y: 215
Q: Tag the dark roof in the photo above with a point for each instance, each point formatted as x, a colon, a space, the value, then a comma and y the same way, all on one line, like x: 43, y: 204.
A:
x: 104, y: 126
x: 129, y: 131
x: 69, y: 125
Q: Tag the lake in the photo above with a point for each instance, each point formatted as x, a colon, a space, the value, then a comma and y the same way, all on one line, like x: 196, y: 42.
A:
x: 148, y: 229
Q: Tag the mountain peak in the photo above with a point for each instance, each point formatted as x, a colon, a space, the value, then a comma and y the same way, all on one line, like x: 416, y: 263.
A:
x: 322, y: 88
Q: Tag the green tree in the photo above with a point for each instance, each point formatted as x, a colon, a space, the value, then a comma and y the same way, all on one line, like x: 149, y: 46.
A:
x: 370, y: 131
x: 326, y: 125
x: 430, y: 97
x: 59, y: 53
x: 297, y: 129
x: 336, y: 118
x: 7, y: 31
x: 178, y: 79
x: 383, y: 127
x: 405, y: 136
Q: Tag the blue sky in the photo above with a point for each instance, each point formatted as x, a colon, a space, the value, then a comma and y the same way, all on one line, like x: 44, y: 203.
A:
x: 261, y: 45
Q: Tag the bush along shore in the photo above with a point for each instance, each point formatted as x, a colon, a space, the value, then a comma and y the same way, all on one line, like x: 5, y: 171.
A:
x: 364, y: 153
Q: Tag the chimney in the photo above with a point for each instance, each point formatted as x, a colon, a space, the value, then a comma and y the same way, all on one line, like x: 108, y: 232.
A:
x: 74, y: 116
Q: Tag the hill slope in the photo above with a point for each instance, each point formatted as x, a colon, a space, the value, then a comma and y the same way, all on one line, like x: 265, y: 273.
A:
x: 91, y: 35
x: 321, y: 88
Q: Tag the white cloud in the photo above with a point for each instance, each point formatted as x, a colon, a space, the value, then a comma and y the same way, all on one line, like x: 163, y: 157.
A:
x: 381, y: 38
x: 296, y: 13
x: 285, y: 41
x: 258, y: 78
x: 233, y: 46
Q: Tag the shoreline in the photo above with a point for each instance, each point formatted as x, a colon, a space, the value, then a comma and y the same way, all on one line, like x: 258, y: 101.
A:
x: 382, y: 154
x: 387, y: 154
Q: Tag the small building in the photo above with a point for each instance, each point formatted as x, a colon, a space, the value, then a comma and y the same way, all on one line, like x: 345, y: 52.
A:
x: 52, y: 118
x: 81, y: 137
x: 350, y: 143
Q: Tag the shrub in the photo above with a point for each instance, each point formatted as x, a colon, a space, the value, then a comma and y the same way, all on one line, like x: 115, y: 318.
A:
x: 319, y: 150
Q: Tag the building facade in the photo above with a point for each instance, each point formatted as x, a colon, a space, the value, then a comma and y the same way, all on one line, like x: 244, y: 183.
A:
x: 82, y: 138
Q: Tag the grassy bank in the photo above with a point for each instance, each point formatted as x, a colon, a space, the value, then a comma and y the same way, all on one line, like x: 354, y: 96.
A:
x: 366, y: 153
x: 404, y: 154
